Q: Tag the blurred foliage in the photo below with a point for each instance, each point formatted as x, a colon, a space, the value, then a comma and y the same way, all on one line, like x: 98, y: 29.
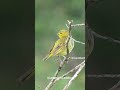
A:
x: 50, y: 17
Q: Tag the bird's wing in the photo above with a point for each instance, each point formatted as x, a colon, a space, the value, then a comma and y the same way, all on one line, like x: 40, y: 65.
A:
x: 58, y: 47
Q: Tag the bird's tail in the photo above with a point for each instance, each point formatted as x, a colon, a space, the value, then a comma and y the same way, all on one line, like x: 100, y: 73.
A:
x: 48, y: 56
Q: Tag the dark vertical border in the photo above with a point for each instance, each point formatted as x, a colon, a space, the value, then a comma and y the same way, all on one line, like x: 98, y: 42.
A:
x: 17, y: 42
x: 26, y: 44
x: 102, y: 71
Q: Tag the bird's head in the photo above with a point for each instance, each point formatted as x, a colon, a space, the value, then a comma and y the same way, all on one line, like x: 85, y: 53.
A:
x: 63, y: 33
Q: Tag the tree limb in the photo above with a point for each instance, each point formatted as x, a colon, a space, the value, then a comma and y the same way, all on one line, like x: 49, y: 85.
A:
x: 75, y: 75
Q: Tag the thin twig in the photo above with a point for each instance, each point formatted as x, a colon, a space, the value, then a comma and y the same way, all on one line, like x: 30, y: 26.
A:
x: 72, y: 70
x: 75, y: 75
x: 80, y: 58
x: 66, y: 25
x: 56, y: 74
x: 82, y: 24
x: 78, y: 41
x: 106, y: 38
x: 26, y: 75
x: 70, y: 23
x: 74, y: 25
x: 104, y: 76
x: 116, y: 86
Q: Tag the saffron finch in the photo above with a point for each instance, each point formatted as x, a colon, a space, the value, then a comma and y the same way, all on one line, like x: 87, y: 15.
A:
x: 59, y: 48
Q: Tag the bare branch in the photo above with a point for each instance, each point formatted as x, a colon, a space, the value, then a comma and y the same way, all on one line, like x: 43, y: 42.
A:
x: 26, y: 75
x: 116, y: 86
x: 72, y: 70
x: 70, y: 23
x: 104, y: 75
x: 106, y: 38
x: 78, y: 25
x: 56, y: 74
x: 66, y: 25
x: 75, y: 75
x: 80, y: 58
x: 78, y: 41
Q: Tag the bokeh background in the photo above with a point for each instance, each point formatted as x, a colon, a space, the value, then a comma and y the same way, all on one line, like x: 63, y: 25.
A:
x: 50, y: 17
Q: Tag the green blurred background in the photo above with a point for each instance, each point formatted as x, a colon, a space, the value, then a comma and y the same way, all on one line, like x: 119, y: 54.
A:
x: 50, y: 17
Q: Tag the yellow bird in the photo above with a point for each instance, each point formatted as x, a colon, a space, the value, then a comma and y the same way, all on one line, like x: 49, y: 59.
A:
x: 59, y: 48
